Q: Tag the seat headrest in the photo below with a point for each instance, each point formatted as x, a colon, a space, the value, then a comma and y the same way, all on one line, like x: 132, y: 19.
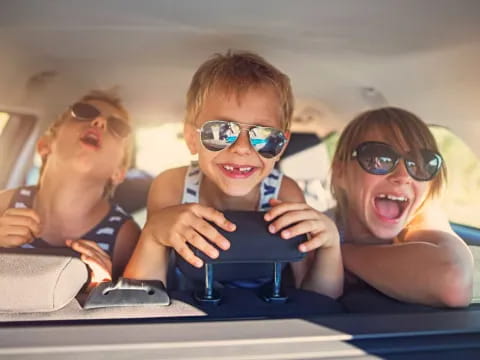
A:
x: 39, y: 280
x: 252, y: 251
x: 253, y: 243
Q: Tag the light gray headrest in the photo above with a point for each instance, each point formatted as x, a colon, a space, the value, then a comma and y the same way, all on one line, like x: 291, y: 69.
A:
x: 34, y: 280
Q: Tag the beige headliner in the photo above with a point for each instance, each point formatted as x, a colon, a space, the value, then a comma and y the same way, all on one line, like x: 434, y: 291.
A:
x: 422, y: 54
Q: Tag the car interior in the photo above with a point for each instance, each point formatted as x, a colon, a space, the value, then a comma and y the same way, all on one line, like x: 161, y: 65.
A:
x: 343, y: 57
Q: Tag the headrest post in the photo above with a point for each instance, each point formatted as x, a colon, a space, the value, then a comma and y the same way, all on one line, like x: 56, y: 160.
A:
x: 208, y: 281
x: 272, y: 292
x: 277, y: 278
x: 208, y: 295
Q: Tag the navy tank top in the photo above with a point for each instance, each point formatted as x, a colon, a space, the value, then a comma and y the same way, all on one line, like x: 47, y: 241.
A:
x: 104, y: 233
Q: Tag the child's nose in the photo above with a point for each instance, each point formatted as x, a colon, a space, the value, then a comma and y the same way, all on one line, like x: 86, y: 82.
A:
x: 99, y: 122
x: 400, y: 174
x: 242, y: 145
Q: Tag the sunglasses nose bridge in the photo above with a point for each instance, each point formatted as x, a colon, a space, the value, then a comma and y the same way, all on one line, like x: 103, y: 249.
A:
x: 242, y: 143
x: 400, y: 173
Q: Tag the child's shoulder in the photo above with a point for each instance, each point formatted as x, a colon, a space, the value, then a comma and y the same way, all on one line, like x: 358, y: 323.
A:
x: 431, y: 217
x: 5, y: 199
x: 168, y: 185
x: 290, y: 191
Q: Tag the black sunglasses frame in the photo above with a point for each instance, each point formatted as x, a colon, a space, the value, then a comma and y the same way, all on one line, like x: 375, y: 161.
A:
x: 356, y: 154
x: 267, y: 155
x: 115, y: 124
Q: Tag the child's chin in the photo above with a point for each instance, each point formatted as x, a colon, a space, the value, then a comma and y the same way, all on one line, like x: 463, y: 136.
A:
x: 237, y: 191
x: 386, y: 233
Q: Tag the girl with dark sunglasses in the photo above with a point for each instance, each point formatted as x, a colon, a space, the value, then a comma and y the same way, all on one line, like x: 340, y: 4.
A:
x: 387, y: 178
x: 85, y: 154
x: 239, y: 109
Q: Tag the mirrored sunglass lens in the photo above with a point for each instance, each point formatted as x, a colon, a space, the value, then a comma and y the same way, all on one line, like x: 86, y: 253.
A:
x: 269, y: 142
x: 119, y: 126
x: 217, y: 135
x: 377, y: 159
x: 423, y: 164
x: 84, y: 111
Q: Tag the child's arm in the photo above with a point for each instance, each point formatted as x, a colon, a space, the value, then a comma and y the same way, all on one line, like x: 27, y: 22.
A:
x: 171, y: 224
x: 125, y: 243
x: 17, y: 226
x: 322, y: 269
x: 430, y: 265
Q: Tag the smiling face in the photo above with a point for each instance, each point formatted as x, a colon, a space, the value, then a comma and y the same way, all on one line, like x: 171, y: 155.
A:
x: 88, y: 146
x: 381, y: 205
x: 238, y: 169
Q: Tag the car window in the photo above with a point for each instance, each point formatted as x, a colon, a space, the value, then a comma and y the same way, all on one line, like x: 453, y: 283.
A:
x: 161, y: 147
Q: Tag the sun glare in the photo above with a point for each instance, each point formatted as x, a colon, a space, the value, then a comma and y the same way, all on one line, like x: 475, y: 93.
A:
x: 4, y: 117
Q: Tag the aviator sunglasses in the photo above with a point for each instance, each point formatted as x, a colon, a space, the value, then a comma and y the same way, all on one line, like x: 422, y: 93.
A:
x: 217, y: 135
x: 378, y: 158
x: 86, y: 112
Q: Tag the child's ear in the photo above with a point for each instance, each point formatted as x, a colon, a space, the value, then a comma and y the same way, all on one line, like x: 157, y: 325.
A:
x: 190, y: 136
x: 44, y: 146
x: 118, y: 175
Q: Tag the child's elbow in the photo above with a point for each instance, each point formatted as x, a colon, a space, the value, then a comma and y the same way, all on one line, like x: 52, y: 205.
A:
x: 333, y: 291
x: 456, y: 286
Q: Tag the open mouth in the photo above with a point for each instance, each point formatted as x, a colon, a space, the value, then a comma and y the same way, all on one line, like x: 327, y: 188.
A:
x: 391, y: 207
x: 91, y: 138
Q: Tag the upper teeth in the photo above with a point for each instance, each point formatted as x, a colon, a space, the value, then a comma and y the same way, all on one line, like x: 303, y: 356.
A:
x: 91, y: 136
x: 392, y: 197
x: 243, y: 169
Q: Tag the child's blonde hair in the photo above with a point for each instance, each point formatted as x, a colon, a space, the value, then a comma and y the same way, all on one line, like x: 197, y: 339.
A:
x: 110, y: 99
x: 235, y: 73
x: 400, y: 128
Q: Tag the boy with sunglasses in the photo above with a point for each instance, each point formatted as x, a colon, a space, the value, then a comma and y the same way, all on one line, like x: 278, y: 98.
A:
x: 85, y: 154
x: 239, y: 109
x: 387, y: 176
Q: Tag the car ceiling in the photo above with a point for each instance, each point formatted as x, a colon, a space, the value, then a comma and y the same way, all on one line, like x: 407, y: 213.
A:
x: 343, y: 56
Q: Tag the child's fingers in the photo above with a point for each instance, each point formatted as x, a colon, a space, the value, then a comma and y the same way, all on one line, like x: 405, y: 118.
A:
x: 19, y: 219
x: 96, y: 263
x: 12, y: 241
x: 293, y: 217
x: 100, y: 271
x: 88, y: 248
x: 214, y: 216
x: 274, y: 202
x: 303, y: 227
x: 209, y: 232
x: 185, y: 252
x: 314, y: 243
x: 23, y: 212
x: 282, y: 208
x: 93, y: 245
x: 201, y: 244
x: 22, y: 234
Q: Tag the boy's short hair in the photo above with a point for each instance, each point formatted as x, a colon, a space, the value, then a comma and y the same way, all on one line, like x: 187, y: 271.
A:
x: 235, y: 73
x: 400, y: 128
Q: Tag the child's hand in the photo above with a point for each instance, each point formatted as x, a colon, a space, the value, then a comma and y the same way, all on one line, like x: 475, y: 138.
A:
x: 96, y: 259
x: 305, y: 220
x: 175, y: 226
x: 18, y: 227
